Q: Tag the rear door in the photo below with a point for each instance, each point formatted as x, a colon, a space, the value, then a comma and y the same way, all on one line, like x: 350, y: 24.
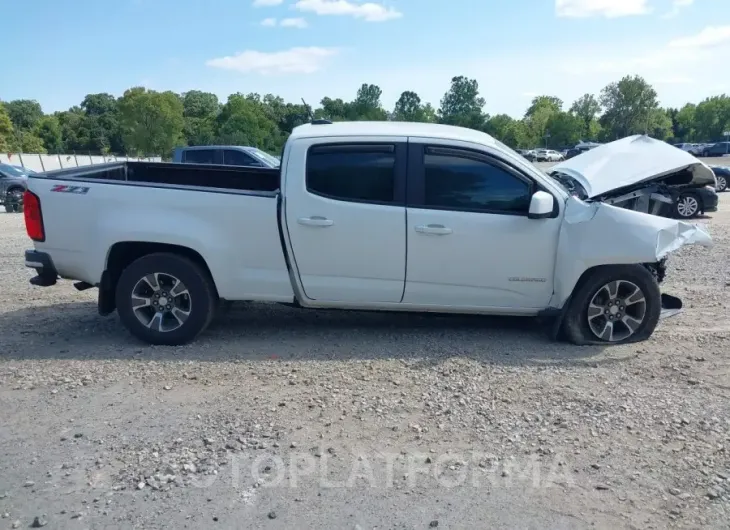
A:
x: 346, y: 218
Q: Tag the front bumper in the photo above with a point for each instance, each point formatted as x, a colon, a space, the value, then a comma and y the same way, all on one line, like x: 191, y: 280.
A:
x: 46, y: 273
x: 671, y: 305
x: 709, y: 199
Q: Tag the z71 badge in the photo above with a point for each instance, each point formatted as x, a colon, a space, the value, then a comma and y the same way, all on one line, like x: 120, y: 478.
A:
x: 81, y: 190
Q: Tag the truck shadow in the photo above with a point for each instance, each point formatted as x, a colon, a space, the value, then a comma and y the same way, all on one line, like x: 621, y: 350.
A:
x: 257, y: 331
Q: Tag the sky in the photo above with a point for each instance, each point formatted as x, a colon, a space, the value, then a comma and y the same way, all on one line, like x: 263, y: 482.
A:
x: 57, y: 52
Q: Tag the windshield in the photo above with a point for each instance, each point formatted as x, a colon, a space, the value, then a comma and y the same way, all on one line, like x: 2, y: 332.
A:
x: 267, y: 157
x: 12, y: 170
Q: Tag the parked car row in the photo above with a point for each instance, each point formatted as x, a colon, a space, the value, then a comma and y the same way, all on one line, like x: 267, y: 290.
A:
x: 705, y: 150
x: 541, y: 155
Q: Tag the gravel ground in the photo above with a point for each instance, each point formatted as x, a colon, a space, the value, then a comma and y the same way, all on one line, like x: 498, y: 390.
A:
x: 284, y: 418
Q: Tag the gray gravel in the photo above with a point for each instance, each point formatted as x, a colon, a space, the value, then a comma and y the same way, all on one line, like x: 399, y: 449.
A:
x: 284, y: 418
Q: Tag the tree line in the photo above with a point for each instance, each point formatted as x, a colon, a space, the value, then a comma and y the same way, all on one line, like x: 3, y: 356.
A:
x: 146, y: 122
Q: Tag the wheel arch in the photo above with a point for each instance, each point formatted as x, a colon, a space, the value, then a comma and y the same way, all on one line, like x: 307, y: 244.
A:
x: 123, y: 253
x: 557, y: 314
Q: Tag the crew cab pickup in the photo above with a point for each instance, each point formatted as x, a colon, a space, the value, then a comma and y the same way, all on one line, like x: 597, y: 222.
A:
x: 361, y: 215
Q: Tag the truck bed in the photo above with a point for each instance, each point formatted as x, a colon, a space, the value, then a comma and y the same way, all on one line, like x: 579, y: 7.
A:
x: 226, y: 213
x: 198, y: 175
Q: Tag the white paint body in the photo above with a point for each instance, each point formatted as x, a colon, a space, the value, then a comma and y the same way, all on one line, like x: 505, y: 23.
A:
x: 361, y: 256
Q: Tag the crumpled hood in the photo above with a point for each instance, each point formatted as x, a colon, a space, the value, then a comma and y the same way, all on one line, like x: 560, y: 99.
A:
x: 629, y: 161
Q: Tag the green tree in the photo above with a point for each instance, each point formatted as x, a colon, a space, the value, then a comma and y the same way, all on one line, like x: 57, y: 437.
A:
x: 334, y: 109
x: 49, y: 131
x: 537, y: 125
x: 586, y: 108
x: 565, y: 129
x: 367, y: 106
x: 6, y: 129
x: 200, y: 110
x: 74, y: 129
x: 24, y: 113
x: 712, y: 118
x: 551, y: 103
x: 499, y: 126
x: 684, y: 123
x: 462, y: 105
x: 629, y: 105
x: 410, y: 108
x: 243, y: 121
x: 102, y: 123
x: 660, y: 125
x: 152, y: 122
x: 27, y: 142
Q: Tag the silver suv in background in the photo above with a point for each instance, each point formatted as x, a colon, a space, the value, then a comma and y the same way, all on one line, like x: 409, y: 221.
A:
x: 229, y: 155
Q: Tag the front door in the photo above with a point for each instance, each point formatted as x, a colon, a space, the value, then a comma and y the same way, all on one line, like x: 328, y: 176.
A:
x: 345, y: 214
x: 470, y: 242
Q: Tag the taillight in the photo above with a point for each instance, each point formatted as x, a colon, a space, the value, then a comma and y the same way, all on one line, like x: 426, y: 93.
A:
x: 33, y: 216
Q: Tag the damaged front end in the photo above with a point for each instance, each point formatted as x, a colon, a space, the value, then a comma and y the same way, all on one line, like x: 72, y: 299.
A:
x: 595, y: 234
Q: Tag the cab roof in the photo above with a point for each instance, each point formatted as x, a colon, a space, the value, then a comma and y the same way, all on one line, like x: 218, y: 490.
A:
x: 392, y: 128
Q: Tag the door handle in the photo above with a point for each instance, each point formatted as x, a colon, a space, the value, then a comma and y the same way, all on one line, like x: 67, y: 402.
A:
x: 315, y: 220
x: 437, y: 230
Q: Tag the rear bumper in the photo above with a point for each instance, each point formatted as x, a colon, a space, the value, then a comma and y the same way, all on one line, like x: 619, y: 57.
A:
x: 46, y: 273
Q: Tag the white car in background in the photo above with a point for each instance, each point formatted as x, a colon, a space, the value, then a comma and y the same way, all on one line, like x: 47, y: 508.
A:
x: 548, y: 155
x: 693, y: 149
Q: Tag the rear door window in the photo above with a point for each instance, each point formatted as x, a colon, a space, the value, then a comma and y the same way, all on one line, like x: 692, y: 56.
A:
x: 200, y: 156
x: 354, y: 173
x: 233, y: 157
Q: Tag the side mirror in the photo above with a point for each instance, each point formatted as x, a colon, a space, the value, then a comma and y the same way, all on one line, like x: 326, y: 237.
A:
x: 541, y: 205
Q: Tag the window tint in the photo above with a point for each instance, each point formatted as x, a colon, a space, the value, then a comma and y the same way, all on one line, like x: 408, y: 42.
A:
x: 231, y: 157
x: 200, y: 156
x: 463, y: 183
x: 352, y: 172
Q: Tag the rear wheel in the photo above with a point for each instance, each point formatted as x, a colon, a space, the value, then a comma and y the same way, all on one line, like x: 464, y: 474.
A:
x: 721, y: 182
x: 614, y: 305
x: 165, y: 299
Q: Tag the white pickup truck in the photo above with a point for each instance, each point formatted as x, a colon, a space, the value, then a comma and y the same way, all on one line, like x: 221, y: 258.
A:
x: 370, y: 216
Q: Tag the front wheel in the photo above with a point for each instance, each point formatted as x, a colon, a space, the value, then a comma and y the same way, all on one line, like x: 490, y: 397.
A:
x: 165, y: 299
x: 616, y: 304
x: 14, y: 201
x: 687, y: 206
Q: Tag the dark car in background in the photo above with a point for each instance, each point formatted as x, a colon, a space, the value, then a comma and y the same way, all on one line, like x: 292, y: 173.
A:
x: 229, y: 155
x: 722, y: 176
x: 13, y: 181
x: 718, y: 149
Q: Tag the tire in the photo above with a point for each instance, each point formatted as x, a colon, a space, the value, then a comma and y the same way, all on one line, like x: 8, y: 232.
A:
x: 191, y: 313
x: 14, y: 200
x: 687, y: 206
x: 721, y: 183
x: 576, y: 326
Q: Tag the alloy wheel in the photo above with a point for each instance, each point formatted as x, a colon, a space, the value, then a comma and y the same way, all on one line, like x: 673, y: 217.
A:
x: 161, y: 302
x: 616, y: 311
x: 687, y: 206
x: 721, y: 183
